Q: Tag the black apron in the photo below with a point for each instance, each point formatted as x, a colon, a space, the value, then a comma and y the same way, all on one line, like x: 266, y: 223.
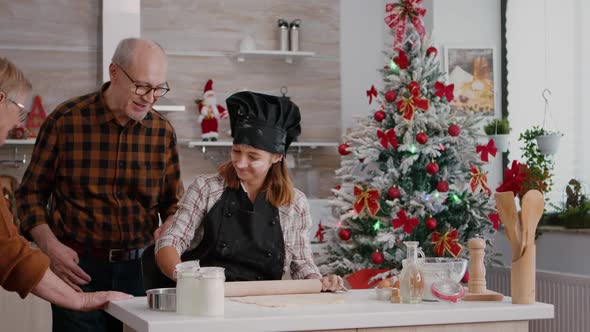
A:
x: 248, y: 244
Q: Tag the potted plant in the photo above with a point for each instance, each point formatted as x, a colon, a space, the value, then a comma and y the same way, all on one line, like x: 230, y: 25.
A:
x: 547, y: 141
x: 575, y: 212
x: 498, y: 130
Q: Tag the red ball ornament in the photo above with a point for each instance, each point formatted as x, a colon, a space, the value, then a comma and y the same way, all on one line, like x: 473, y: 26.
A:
x: 442, y: 186
x: 431, y: 50
x: 379, y: 116
x: 377, y: 258
x: 454, y: 130
x: 465, y: 278
x: 393, y: 193
x: 344, y: 234
x: 432, y: 168
x: 422, y: 138
x: 430, y: 224
x: 343, y: 149
x: 390, y: 96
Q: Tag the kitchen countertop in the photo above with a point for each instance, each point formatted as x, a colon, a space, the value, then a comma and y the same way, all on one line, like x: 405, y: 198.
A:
x: 358, y: 309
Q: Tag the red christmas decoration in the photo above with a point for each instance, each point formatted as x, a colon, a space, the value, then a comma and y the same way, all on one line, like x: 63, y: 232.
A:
x: 431, y: 50
x: 390, y: 96
x: 319, y: 234
x: 368, y: 199
x: 387, y: 138
x: 377, y: 258
x: 393, y: 193
x: 372, y: 93
x: 446, y: 242
x: 495, y: 220
x: 465, y: 278
x: 344, y: 234
x: 422, y: 138
x: 398, y: 16
x: 432, y: 168
x: 379, y: 116
x: 401, y: 60
x: 430, y: 223
x: 210, y: 113
x: 36, y: 117
x: 489, y: 148
x: 403, y: 220
x: 454, y: 130
x: 343, y: 149
x: 442, y: 186
x: 408, y: 105
x: 444, y: 91
x: 360, y: 279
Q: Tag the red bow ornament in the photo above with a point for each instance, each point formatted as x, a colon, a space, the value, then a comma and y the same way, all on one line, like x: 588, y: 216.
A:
x: 408, y: 105
x: 366, y: 199
x: 403, y: 220
x: 401, y: 60
x: 479, y: 181
x: 399, y: 14
x: 446, y: 242
x: 372, y: 92
x: 490, y: 148
x: 387, y: 138
x: 444, y: 90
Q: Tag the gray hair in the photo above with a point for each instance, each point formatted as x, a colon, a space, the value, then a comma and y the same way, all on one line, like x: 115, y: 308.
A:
x: 126, y: 50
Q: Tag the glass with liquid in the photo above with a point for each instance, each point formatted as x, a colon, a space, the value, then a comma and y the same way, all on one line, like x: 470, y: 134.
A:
x: 412, y: 278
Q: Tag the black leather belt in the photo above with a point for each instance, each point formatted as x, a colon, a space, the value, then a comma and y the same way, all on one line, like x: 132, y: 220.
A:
x: 113, y: 255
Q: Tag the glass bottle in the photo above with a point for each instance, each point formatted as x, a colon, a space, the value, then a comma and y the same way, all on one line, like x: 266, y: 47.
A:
x: 412, y: 278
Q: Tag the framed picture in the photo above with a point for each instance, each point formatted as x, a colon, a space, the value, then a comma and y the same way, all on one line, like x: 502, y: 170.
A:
x: 472, y: 72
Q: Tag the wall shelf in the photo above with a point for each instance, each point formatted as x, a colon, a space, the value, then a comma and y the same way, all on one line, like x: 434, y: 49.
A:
x: 287, y: 55
x: 311, y: 145
x: 27, y: 141
x: 166, y: 105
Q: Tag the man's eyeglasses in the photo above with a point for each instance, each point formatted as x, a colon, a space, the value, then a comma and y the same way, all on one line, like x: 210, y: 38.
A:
x: 142, y: 89
x: 23, y: 113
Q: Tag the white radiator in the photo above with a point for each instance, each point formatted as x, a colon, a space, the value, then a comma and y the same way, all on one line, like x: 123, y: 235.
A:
x: 570, y: 294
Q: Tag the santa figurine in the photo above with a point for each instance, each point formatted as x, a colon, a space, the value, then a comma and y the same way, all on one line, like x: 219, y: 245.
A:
x: 210, y: 113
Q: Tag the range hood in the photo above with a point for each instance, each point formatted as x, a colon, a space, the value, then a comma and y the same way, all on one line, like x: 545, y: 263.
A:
x: 122, y: 19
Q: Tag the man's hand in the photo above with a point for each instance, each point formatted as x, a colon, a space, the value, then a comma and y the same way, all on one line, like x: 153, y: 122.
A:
x: 99, y: 300
x: 64, y: 263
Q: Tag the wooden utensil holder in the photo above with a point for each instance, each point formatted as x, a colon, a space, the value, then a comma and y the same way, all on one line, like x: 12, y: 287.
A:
x: 522, y: 277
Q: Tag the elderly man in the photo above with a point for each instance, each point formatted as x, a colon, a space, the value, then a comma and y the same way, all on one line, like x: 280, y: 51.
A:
x: 103, y: 172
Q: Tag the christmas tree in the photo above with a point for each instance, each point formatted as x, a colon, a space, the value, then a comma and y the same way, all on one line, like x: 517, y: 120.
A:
x: 412, y: 169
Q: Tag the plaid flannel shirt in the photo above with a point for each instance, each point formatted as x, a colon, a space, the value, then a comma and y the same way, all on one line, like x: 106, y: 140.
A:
x: 107, y: 182
x: 187, y: 229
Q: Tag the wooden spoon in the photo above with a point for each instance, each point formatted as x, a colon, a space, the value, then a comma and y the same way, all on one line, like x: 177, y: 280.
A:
x: 533, y: 206
x: 507, y: 211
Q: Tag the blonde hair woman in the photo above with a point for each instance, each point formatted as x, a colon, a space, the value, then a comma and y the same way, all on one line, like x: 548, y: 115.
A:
x: 23, y: 269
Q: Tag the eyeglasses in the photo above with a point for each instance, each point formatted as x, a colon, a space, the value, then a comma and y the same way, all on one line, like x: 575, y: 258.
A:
x: 143, y: 89
x: 23, y: 113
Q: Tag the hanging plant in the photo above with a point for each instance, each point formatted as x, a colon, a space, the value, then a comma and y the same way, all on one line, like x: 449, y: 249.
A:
x: 540, y: 165
x: 498, y: 130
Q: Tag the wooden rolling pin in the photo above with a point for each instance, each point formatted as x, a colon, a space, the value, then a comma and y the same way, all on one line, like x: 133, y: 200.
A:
x: 272, y: 287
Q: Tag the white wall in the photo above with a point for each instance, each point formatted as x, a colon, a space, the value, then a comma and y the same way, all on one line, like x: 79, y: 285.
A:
x: 361, y: 42
x: 544, y: 52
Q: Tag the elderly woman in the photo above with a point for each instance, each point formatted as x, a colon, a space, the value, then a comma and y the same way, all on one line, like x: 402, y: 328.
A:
x: 23, y: 269
x: 248, y: 218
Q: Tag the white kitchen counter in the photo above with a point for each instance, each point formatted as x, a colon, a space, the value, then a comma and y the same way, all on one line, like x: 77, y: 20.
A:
x: 360, y: 309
